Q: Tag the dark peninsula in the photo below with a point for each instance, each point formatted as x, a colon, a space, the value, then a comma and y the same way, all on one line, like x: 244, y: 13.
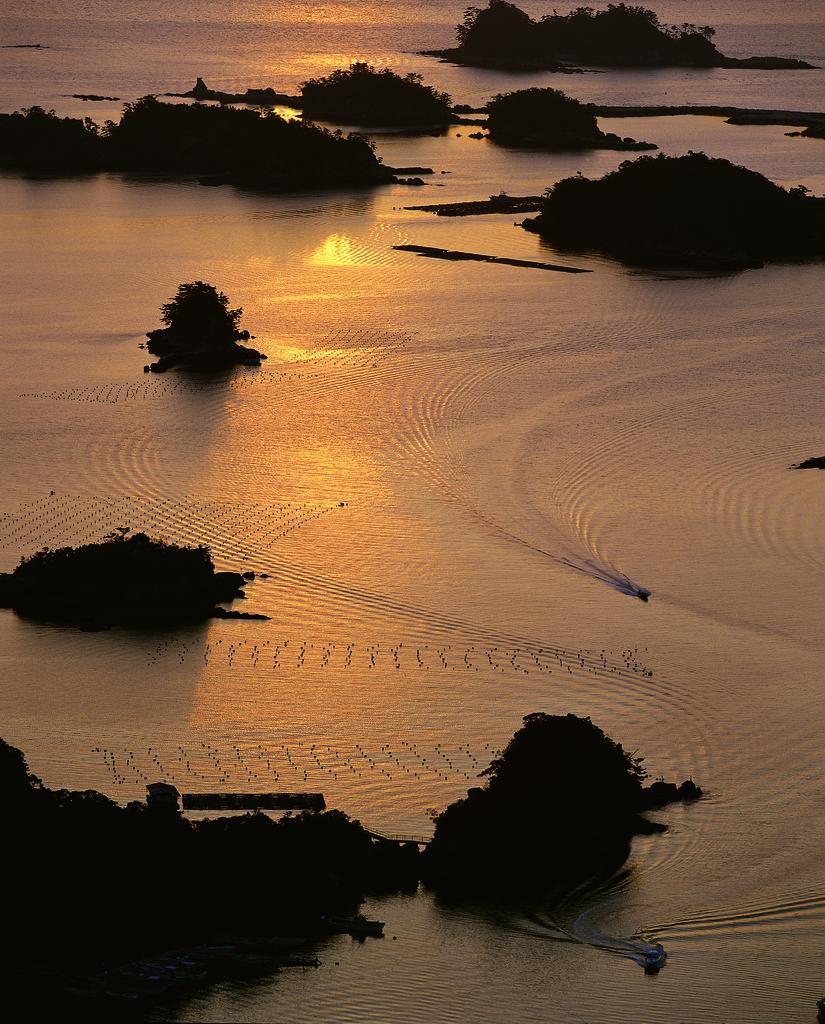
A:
x: 123, y: 580
x: 814, y: 462
x: 812, y: 131
x: 687, y: 211
x: 201, y: 331
x: 503, y: 36
x: 549, y: 119
x: 215, y: 144
x: 196, y: 900
x: 363, y: 95
x: 202, y: 898
x: 811, y: 122
x: 562, y: 802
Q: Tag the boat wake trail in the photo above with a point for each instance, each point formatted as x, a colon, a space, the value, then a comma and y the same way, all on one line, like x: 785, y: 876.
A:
x: 649, y: 955
x: 612, y: 577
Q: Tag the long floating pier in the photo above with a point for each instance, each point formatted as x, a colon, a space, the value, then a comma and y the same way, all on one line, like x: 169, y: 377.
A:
x: 433, y: 252
x: 253, y: 801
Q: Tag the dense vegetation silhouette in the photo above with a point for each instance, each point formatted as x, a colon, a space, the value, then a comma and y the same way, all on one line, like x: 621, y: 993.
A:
x: 691, y: 211
x: 201, y: 330
x: 550, y: 119
x: 219, y: 144
x: 363, y: 95
x: 622, y: 35
x: 562, y: 802
x: 120, y: 580
x: 96, y: 883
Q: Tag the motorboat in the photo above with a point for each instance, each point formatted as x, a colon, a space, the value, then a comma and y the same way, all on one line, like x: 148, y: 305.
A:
x: 357, y: 925
x: 654, y: 958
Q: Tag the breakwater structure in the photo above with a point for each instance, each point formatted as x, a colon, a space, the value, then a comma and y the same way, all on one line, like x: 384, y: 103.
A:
x: 433, y: 252
x: 164, y: 795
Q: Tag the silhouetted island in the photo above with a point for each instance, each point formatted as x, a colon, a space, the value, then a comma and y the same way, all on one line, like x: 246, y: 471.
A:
x: 561, y: 802
x: 813, y: 131
x: 549, y: 119
x: 201, y: 331
x: 216, y: 144
x: 363, y: 95
x: 503, y: 36
x: 93, y: 97
x: 97, y: 884
x: 814, y: 462
x: 502, y: 203
x: 122, y: 580
x: 266, y: 97
x: 687, y: 211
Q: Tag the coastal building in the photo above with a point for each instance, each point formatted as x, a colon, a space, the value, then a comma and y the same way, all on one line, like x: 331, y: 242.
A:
x: 163, y: 796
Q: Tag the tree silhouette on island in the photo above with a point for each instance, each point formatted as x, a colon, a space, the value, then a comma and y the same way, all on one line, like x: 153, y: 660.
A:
x: 623, y: 35
x: 362, y: 95
x: 97, y: 884
x: 216, y: 144
x: 122, y: 580
x: 562, y: 802
x: 686, y: 211
x: 550, y: 119
x: 201, y: 331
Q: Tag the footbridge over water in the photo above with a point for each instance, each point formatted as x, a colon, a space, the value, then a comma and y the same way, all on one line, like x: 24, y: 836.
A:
x: 400, y: 838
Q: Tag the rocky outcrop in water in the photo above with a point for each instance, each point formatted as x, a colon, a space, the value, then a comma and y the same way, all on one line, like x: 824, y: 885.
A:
x: 266, y: 97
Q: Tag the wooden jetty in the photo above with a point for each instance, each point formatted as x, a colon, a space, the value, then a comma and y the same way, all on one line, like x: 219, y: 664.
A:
x: 253, y: 801
x: 394, y: 837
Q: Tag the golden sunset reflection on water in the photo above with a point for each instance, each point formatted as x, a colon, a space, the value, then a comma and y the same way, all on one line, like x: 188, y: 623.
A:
x: 337, y: 251
x: 443, y: 476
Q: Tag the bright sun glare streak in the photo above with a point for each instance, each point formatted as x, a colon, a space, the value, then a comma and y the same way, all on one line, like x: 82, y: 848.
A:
x: 335, y: 251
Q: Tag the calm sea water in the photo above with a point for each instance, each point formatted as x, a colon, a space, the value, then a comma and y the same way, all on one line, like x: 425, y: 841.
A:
x: 510, y: 448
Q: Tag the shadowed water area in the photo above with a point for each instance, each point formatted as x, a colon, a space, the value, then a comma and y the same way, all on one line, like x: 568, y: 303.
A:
x: 454, y: 478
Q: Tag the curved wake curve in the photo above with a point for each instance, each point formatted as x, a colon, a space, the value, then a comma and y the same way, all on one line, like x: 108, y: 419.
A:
x: 420, y: 434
